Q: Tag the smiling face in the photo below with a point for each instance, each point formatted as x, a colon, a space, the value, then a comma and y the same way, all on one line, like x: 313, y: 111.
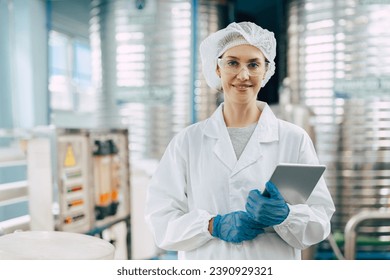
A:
x: 242, y: 87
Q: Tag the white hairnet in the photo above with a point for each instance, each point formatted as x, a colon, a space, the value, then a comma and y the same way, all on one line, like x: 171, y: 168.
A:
x: 242, y: 33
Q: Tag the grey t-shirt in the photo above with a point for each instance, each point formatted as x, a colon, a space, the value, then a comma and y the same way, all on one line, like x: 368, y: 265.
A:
x: 240, y: 137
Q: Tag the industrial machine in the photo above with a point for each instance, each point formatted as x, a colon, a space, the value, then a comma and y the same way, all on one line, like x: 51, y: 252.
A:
x: 79, y: 180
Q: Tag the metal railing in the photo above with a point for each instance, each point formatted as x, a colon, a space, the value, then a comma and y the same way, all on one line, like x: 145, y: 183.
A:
x: 16, y: 191
x: 352, y: 226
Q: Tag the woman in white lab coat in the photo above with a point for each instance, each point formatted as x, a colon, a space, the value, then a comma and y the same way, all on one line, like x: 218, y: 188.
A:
x: 205, y: 199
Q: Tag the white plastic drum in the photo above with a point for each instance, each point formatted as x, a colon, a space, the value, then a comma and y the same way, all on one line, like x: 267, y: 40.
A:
x: 54, y: 245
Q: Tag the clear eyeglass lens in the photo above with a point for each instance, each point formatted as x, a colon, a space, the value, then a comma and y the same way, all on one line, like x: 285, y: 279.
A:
x: 235, y: 67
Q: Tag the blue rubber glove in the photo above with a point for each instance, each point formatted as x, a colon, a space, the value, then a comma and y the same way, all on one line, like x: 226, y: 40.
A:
x: 267, y: 211
x: 235, y: 227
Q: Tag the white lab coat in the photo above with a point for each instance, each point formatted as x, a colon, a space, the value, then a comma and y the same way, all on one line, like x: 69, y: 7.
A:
x: 199, y: 177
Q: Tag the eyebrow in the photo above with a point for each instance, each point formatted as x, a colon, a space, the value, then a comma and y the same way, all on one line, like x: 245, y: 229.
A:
x: 250, y: 60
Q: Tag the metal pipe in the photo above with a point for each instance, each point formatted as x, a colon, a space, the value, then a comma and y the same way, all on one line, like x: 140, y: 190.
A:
x: 12, y: 225
x: 351, y: 226
x: 11, y: 191
x: 335, y: 248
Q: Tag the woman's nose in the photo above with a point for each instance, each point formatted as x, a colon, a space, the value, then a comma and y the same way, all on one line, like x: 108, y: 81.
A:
x: 243, y: 74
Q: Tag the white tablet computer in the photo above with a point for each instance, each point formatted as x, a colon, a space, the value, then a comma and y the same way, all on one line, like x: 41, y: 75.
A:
x: 296, y: 182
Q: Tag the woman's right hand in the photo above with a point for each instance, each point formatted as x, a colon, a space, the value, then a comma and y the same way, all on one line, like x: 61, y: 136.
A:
x: 234, y: 227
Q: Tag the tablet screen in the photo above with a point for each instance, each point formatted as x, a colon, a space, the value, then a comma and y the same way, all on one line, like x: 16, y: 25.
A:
x: 296, y: 182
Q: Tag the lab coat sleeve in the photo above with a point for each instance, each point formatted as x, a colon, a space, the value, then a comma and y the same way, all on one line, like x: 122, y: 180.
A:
x: 174, y: 227
x: 308, y: 224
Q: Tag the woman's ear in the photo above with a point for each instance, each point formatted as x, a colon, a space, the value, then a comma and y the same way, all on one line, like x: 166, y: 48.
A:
x: 218, y: 72
x: 265, y: 72
x: 266, y: 69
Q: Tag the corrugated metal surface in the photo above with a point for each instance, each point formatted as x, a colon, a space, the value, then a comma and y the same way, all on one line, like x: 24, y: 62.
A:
x: 338, y: 58
x: 143, y: 55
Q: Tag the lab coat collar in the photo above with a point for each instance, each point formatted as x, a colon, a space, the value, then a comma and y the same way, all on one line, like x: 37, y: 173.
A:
x: 266, y: 131
x: 267, y: 127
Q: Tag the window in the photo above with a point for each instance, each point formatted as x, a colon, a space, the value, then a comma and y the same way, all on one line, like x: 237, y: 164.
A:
x: 70, y: 78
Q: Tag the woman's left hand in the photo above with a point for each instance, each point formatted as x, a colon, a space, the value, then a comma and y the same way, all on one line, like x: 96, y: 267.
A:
x: 268, y: 211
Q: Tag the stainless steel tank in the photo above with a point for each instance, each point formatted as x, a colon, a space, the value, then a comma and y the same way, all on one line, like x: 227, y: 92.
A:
x: 338, y: 65
x: 143, y: 58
